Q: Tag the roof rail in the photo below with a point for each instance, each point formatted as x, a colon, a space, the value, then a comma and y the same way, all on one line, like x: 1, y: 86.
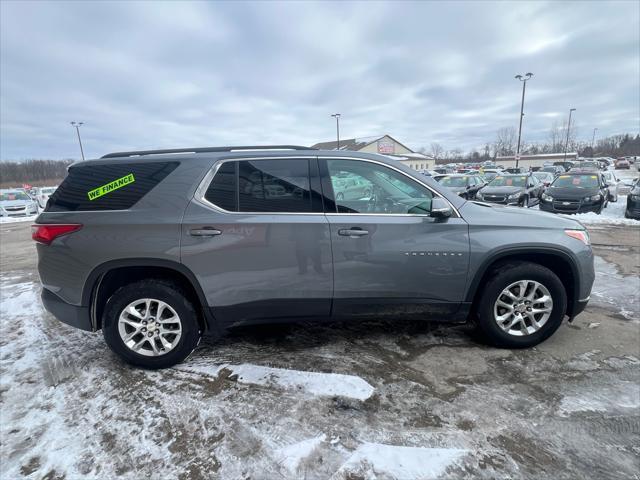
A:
x: 204, y: 150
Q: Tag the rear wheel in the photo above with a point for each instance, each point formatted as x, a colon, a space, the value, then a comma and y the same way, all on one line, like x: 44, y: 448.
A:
x: 151, y: 324
x: 521, y: 305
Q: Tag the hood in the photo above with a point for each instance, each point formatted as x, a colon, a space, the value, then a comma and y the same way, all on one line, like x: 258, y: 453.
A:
x: 500, y: 190
x: 15, y: 203
x: 456, y: 190
x: 569, y: 192
x: 487, y: 214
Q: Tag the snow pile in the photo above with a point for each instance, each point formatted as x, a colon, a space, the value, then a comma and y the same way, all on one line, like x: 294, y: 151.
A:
x: 315, y: 383
x: 371, y: 460
x: 29, y: 218
x: 292, y: 456
x: 613, y: 214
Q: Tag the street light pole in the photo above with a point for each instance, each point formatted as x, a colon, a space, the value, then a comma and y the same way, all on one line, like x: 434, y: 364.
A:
x: 566, y: 143
x: 524, y: 86
x: 337, y: 117
x: 593, y: 139
x: 77, y: 126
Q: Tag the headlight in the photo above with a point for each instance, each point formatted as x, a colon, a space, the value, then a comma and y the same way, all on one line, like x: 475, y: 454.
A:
x: 581, y: 235
x: 514, y: 196
x: 547, y: 198
x: 593, y: 198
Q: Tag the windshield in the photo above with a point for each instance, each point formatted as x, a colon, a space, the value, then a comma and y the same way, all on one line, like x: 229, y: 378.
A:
x: 453, y: 181
x: 48, y: 190
x: 543, y: 175
x: 577, y: 181
x: 8, y: 196
x: 508, y: 181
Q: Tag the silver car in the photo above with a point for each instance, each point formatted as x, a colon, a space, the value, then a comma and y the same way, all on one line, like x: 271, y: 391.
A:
x: 16, y: 203
x: 42, y: 195
x: 612, y: 183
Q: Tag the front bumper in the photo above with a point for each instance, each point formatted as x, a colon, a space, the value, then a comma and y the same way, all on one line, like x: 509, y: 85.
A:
x: 572, y: 207
x: 578, y: 308
x: 73, y: 315
x: 633, y: 209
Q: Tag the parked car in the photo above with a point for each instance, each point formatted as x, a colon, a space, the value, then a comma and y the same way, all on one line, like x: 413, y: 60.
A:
x: 490, y: 173
x: 554, y: 169
x: 622, y: 164
x: 443, y: 170
x: 466, y: 186
x: 545, y: 177
x: 42, y: 194
x: 350, y: 187
x: 576, y: 192
x: 521, y: 190
x: 516, y: 170
x: 633, y: 201
x: 185, y: 246
x: 567, y: 165
x: 16, y: 203
x: 612, y: 182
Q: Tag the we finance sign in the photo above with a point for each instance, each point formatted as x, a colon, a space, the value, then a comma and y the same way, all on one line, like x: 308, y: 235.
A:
x: 111, y: 186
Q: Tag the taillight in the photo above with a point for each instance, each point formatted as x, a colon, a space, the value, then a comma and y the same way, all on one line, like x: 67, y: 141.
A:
x: 46, y: 234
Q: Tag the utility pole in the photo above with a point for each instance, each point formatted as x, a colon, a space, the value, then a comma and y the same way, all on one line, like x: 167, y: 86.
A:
x: 566, y: 143
x: 337, y: 117
x: 524, y: 86
x: 77, y: 126
x: 593, y: 138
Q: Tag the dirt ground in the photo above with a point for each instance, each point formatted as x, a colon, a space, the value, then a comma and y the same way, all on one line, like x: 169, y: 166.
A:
x: 345, y: 401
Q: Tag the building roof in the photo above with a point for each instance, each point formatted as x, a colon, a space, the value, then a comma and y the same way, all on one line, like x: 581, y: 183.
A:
x: 353, y: 144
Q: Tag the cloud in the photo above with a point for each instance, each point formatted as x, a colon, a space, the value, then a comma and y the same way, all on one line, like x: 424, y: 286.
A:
x: 170, y: 74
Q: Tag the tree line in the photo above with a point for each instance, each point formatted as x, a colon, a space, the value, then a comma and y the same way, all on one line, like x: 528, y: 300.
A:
x: 505, y: 144
x: 32, y: 171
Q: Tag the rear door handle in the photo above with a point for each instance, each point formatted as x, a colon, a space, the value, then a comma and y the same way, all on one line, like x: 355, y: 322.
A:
x: 352, y: 232
x: 205, y: 232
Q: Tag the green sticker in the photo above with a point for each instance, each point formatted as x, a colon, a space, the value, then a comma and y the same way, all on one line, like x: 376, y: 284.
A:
x: 110, y: 187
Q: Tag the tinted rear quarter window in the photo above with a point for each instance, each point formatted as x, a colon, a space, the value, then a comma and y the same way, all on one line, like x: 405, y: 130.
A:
x: 73, y: 194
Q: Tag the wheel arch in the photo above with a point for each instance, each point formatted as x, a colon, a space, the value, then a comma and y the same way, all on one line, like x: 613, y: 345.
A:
x: 107, y: 277
x: 557, y: 260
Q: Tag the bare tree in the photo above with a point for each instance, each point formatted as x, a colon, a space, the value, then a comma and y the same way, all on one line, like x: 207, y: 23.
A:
x: 437, y: 150
x: 505, y: 143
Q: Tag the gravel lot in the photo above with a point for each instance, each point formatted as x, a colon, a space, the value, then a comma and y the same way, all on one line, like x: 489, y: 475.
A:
x: 343, y: 401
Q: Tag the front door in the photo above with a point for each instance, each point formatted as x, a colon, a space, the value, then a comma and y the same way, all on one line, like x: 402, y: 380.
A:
x: 389, y: 255
x: 258, y: 242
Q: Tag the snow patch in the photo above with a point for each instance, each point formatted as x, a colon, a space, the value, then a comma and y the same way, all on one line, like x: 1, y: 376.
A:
x: 371, y: 460
x: 624, y: 395
x: 29, y: 218
x: 612, y: 289
x: 293, y: 455
x: 315, y: 383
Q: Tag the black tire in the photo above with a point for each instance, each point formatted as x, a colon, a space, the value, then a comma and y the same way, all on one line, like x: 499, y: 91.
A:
x: 166, y: 292
x: 504, y: 276
x: 525, y: 202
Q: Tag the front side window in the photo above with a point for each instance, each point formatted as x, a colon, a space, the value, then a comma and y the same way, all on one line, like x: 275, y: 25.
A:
x: 365, y: 187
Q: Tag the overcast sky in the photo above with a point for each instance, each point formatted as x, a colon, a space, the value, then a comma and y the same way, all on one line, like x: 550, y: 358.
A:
x: 148, y: 75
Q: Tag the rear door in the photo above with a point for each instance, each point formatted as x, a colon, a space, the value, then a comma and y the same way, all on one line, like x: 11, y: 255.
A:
x: 389, y: 255
x: 257, y: 240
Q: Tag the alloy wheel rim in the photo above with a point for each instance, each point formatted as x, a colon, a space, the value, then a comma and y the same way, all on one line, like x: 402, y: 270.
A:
x: 149, y: 327
x: 523, y: 308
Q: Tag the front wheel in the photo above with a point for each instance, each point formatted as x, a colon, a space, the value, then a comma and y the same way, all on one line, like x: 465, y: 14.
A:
x: 151, y: 324
x: 521, y: 305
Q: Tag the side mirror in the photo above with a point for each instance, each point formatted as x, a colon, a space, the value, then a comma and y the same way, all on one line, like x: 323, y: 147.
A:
x: 440, y: 208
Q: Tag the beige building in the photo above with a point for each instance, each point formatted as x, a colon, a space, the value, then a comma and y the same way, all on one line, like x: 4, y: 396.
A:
x: 532, y: 161
x: 385, y: 145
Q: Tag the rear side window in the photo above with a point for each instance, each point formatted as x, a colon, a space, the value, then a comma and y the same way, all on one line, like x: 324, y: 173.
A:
x: 269, y: 186
x: 115, y: 186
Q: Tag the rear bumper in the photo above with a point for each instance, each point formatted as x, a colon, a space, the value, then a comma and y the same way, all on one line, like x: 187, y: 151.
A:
x: 73, y: 315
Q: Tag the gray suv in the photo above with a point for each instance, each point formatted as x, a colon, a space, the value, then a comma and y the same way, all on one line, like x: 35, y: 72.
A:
x: 158, y: 248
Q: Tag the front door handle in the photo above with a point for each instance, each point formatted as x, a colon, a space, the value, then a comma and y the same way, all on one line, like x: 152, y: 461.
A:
x: 353, y: 232
x: 205, y: 232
